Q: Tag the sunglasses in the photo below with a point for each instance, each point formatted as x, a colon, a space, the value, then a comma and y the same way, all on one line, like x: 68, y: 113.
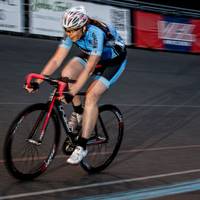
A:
x: 71, y: 31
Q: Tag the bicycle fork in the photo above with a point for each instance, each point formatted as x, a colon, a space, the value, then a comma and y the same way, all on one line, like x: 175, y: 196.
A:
x: 45, y: 123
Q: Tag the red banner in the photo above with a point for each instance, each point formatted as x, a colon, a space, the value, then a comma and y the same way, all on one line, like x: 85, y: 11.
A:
x: 146, y: 33
x: 174, y: 33
x: 196, y: 32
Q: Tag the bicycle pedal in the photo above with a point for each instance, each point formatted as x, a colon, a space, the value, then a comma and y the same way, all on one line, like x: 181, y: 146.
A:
x: 68, y: 147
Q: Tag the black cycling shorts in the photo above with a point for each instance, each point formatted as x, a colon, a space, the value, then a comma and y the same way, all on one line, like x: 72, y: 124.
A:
x: 107, y: 71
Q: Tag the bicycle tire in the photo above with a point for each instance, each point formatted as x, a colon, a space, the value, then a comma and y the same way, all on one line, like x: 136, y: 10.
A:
x: 21, y: 132
x: 108, y: 115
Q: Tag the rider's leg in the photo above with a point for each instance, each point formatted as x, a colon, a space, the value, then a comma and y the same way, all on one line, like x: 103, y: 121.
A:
x: 109, y: 76
x: 73, y: 70
x: 94, y: 92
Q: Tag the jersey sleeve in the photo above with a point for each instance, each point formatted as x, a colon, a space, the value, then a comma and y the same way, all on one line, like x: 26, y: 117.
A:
x: 97, y: 41
x: 66, y: 43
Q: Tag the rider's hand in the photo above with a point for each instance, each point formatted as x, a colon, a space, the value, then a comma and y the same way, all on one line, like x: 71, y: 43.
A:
x: 34, y: 86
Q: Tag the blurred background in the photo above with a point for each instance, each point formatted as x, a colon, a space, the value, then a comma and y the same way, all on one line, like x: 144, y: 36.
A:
x: 164, y: 24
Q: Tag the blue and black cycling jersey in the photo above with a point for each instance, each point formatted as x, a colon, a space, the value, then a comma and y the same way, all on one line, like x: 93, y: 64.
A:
x: 95, y: 42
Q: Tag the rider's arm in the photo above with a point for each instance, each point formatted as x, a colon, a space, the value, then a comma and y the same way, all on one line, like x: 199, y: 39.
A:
x: 52, y: 65
x: 58, y: 57
x: 85, y: 74
x: 55, y: 61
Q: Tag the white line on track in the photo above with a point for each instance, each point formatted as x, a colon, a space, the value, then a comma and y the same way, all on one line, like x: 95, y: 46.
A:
x: 66, y: 189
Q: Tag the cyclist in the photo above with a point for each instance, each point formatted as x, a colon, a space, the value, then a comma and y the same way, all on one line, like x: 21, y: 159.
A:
x: 103, y: 55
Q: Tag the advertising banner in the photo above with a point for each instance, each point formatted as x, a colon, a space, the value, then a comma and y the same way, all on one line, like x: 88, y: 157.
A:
x: 46, y: 16
x: 11, y: 15
x: 196, y: 32
x: 166, y: 32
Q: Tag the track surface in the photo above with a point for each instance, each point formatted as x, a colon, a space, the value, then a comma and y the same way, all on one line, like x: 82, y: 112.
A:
x: 159, y: 95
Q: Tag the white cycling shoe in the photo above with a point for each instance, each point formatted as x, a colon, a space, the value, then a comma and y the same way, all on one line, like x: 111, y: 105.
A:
x: 78, y: 154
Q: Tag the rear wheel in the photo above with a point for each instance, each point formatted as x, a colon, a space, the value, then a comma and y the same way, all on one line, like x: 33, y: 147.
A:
x: 105, y: 140
x: 26, y: 155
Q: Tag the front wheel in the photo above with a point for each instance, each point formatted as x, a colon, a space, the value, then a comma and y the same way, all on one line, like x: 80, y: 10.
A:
x: 27, y: 155
x: 105, y: 140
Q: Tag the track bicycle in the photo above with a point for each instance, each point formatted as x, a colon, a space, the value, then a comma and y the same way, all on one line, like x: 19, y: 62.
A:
x: 33, y: 137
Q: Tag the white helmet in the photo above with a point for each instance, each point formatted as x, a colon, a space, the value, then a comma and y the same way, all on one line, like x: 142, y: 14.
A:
x: 75, y: 17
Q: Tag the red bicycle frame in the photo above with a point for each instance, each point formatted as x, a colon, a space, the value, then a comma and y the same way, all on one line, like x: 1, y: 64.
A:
x: 60, y: 86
